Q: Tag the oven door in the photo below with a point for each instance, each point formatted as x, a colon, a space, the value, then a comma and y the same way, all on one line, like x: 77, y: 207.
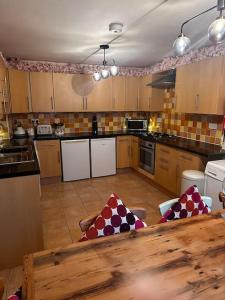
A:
x: 147, y: 159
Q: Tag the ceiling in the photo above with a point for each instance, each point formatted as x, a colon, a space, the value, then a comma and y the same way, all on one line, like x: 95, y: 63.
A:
x: 71, y: 30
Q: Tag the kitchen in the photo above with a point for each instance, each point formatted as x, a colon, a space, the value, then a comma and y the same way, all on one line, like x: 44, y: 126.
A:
x: 77, y: 126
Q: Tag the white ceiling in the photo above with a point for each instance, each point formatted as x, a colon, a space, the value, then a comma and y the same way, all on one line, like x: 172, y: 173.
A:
x: 71, y: 30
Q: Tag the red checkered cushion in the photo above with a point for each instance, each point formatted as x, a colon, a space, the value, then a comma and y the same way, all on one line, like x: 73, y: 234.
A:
x: 189, y: 204
x: 114, y: 218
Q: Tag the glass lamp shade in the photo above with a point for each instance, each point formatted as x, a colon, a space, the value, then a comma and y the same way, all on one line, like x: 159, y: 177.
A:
x: 181, y: 45
x: 97, y: 76
x: 216, y: 31
x: 114, y: 70
x: 105, y: 73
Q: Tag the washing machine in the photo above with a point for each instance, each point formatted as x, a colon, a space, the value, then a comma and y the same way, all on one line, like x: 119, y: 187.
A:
x: 215, y: 181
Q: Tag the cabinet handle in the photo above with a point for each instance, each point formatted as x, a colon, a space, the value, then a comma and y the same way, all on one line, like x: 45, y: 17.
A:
x: 52, y: 103
x: 197, y: 102
x: 58, y: 157
x: 186, y: 158
x: 86, y: 103
x: 164, y: 168
x: 28, y: 105
x: 83, y: 102
x: 165, y: 151
x: 164, y: 160
x: 149, y: 102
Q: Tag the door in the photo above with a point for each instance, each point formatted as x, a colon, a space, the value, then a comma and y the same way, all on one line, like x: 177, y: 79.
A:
x: 103, y: 157
x: 50, y: 158
x: 100, y: 98
x: 119, y: 93
x: 132, y: 93
x: 19, y: 91
x: 123, y: 152
x: 75, y: 159
x: 41, y: 92
x: 65, y: 93
x: 145, y: 93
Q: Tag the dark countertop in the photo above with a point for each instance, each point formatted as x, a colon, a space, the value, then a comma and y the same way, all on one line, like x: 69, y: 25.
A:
x: 20, y: 169
x: 209, y: 151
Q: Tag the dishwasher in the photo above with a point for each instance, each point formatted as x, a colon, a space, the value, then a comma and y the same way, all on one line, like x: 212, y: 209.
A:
x: 75, y: 159
x: 103, y: 157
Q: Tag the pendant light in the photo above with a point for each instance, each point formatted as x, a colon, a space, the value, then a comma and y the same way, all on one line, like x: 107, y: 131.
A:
x: 106, y: 72
x: 216, y: 31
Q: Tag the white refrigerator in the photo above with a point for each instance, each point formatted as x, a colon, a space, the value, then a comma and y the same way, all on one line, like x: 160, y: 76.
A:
x: 75, y: 159
x: 103, y: 157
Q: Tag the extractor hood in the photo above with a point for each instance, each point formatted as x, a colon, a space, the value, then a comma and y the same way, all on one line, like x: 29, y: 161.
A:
x: 164, y: 80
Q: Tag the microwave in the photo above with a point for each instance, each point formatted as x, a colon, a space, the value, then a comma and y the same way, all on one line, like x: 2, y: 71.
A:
x: 137, y: 125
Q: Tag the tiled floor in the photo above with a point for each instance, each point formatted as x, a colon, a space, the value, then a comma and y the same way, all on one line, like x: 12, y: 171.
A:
x: 64, y: 204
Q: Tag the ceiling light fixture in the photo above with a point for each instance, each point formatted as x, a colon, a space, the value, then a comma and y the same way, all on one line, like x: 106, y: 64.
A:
x: 105, y: 72
x: 216, y: 31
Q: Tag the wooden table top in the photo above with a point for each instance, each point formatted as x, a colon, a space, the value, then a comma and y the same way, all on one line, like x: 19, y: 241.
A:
x: 184, y: 259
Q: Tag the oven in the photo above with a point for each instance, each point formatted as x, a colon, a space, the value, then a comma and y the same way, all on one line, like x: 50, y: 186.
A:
x: 137, y: 125
x: 147, y: 156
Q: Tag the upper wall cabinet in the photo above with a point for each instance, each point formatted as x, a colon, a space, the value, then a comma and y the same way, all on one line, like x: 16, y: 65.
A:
x: 132, y: 93
x: 4, y: 105
x: 119, y: 93
x: 19, y: 91
x: 41, y: 92
x: 100, y: 98
x: 150, y: 99
x: 66, y: 94
x: 200, y: 88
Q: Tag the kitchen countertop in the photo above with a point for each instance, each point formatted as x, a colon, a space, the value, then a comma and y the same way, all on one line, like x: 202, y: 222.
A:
x: 20, y: 169
x: 209, y: 151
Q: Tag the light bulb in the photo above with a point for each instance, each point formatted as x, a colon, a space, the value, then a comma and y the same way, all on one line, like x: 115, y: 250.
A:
x: 97, y: 76
x: 105, y: 73
x: 181, y: 45
x: 216, y: 31
x: 114, y: 70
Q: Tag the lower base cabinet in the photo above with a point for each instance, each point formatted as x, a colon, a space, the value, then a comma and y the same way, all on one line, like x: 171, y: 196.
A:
x: 49, y: 155
x: 127, y: 152
x: 170, y: 164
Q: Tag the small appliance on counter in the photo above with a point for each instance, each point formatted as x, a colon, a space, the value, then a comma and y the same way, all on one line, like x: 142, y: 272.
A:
x: 94, y: 125
x: 59, y: 129
x: 44, y: 129
x: 19, y: 132
x: 137, y: 125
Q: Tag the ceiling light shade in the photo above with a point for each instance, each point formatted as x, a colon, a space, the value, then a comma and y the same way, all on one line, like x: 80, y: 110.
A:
x: 181, y: 45
x: 105, y: 73
x: 114, y: 70
x: 216, y: 31
x: 97, y: 76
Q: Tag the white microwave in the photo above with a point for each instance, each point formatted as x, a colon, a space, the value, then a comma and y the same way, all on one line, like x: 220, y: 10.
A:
x: 137, y: 125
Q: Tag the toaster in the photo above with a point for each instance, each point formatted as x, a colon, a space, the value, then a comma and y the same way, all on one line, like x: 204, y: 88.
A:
x: 44, y: 129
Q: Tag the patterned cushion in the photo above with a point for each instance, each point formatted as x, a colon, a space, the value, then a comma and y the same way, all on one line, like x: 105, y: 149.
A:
x: 114, y: 218
x: 189, y: 204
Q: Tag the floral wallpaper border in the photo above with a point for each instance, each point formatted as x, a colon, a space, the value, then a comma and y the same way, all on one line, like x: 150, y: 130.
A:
x: 166, y: 64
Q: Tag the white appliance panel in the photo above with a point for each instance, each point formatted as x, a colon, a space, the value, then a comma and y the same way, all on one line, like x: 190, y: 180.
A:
x: 75, y: 159
x: 103, y: 157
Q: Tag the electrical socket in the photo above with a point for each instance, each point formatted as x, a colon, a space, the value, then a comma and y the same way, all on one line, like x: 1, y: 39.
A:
x: 35, y: 121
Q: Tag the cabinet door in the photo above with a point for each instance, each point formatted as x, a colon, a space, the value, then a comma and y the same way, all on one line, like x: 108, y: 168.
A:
x: 186, y: 161
x: 41, y: 92
x: 65, y: 95
x: 135, y: 152
x: 100, y: 98
x: 119, y: 93
x: 3, y: 109
x: 123, y: 152
x: 187, y: 81
x: 50, y: 158
x: 132, y: 93
x: 210, y: 82
x: 145, y: 93
x: 19, y: 91
x: 166, y: 168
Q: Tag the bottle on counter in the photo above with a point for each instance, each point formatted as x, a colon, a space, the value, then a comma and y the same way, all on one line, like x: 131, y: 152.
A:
x: 94, y: 125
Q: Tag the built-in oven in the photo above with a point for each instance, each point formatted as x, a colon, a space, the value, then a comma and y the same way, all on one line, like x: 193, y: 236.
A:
x: 147, y: 156
x: 137, y: 125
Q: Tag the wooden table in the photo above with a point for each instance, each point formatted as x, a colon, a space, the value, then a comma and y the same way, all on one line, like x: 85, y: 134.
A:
x: 184, y: 259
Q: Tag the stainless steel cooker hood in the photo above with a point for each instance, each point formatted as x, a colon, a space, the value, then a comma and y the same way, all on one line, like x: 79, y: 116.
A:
x: 165, y: 80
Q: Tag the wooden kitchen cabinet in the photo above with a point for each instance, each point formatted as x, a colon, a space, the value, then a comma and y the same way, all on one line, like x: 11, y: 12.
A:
x: 42, y: 92
x: 119, y: 93
x: 135, y: 152
x: 132, y: 93
x: 100, y: 98
x: 19, y: 91
x: 65, y: 93
x: 199, y: 87
x: 50, y: 158
x: 166, y: 167
x: 3, y: 90
x: 123, y: 152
